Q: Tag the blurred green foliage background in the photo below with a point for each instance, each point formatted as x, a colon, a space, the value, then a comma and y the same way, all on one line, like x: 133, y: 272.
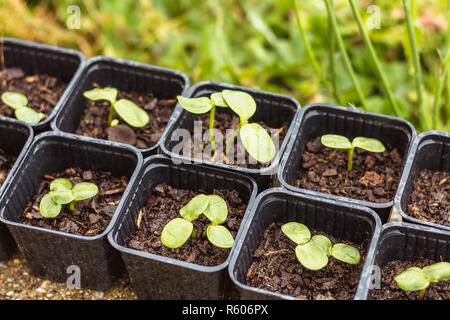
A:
x: 255, y: 43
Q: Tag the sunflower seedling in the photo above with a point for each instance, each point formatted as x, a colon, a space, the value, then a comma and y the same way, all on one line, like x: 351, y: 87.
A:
x: 340, y: 142
x: 417, y: 279
x: 62, y: 192
x: 257, y: 142
x: 177, y: 231
x: 19, y: 102
x: 126, y: 109
x: 313, y: 252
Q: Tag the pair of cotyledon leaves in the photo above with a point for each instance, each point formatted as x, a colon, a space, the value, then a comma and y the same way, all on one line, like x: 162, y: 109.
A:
x: 341, y: 142
x: 62, y: 192
x: 414, y: 279
x: 313, y: 252
x: 19, y: 102
x: 178, y: 230
x: 126, y: 109
x: 254, y: 137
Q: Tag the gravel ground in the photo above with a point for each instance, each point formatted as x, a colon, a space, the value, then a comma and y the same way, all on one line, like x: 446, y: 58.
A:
x: 17, y: 283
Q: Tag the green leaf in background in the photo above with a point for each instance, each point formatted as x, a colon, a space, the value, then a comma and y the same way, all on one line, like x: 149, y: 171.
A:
x: 217, y: 210
x: 297, y: 232
x: 195, y: 207
x: 368, y: 144
x: 219, y: 236
x: 413, y: 279
x: 240, y: 102
x: 311, y: 256
x: 84, y: 190
x: 176, y: 233
x: 131, y: 113
x: 345, y: 253
x: 195, y: 105
x: 14, y: 100
x: 48, y: 208
x: 107, y: 93
x: 257, y: 142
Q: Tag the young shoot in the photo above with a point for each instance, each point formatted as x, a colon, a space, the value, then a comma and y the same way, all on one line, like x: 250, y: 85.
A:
x: 177, y: 231
x: 19, y: 103
x: 257, y: 142
x: 340, y: 142
x: 62, y: 192
x: 126, y: 109
x: 417, y: 279
x: 313, y: 252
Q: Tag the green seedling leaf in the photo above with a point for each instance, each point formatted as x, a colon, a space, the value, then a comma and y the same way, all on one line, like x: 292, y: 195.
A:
x: 297, y: 232
x: 323, y: 243
x: 218, y: 100
x: 60, y: 184
x: 257, y: 142
x: 28, y: 115
x: 345, y: 253
x: 219, y: 236
x: 176, y: 233
x: 195, y: 105
x: 311, y: 256
x: 48, y: 208
x: 84, y: 190
x: 437, y: 272
x: 131, y: 113
x: 335, y: 141
x: 413, y: 279
x: 14, y: 100
x: 107, y: 93
x: 217, y: 210
x: 195, y: 207
x: 62, y: 196
x: 368, y: 144
x: 240, y: 102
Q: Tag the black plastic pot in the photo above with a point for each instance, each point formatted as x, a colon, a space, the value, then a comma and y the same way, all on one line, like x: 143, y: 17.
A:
x: 15, y: 139
x: 124, y: 75
x: 273, y: 109
x: 49, y: 253
x: 32, y: 57
x: 430, y: 150
x: 344, y: 220
x: 404, y: 241
x: 319, y: 119
x: 158, y: 277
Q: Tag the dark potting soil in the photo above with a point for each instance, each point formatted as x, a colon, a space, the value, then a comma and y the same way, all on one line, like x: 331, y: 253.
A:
x: 42, y: 90
x: 6, y: 163
x: 374, y: 176
x: 275, y: 268
x: 390, y: 291
x: 224, y: 121
x: 430, y: 198
x: 94, y: 121
x: 91, y: 216
x: 163, y: 206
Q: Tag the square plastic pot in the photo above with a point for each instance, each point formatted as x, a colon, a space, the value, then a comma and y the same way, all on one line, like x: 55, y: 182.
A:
x: 430, y: 150
x: 51, y: 254
x: 33, y: 57
x: 340, y: 219
x: 318, y: 119
x: 272, y: 108
x: 157, y: 277
x: 15, y: 139
x: 405, y: 241
x: 124, y: 75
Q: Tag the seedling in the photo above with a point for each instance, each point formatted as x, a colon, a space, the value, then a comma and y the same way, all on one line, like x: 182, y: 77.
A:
x: 62, y: 192
x: 417, y: 279
x: 340, y: 142
x: 126, y: 109
x: 177, y: 231
x: 19, y: 102
x: 257, y: 142
x: 313, y: 252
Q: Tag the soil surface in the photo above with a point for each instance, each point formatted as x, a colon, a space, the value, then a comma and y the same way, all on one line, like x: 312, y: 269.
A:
x: 94, y: 121
x: 163, y: 206
x: 6, y: 163
x: 390, y: 290
x: 374, y: 176
x: 224, y: 121
x: 42, y: 90
x: 275, y: 268
x: 91, y: 216
x: 18, y: 283
x: 430, y: 198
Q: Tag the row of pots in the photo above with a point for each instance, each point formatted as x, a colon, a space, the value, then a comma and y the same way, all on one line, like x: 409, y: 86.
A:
x: 101, y: 257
